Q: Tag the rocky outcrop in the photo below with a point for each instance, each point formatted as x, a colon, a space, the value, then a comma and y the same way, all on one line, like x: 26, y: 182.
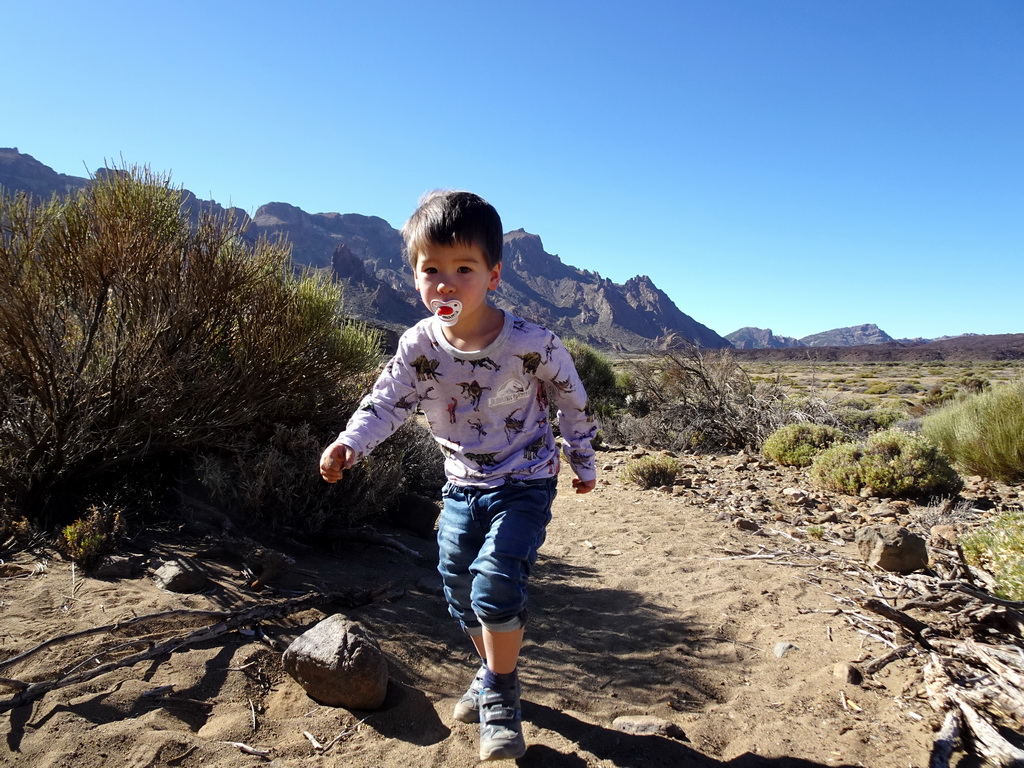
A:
x: 854, y: 336
x: 761, y: 338
x: 580, y: 303
x: 23, y: 173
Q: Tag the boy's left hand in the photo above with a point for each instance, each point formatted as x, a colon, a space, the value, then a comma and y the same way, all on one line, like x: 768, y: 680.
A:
x: 583, y: 486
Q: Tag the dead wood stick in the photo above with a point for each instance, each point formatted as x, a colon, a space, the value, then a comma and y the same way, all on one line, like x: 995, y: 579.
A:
x: 905, y: 620
x: 1003, y: 672
x: 1012, y: 656
x: 367, y: 535
x: 110, y: 628
x: 878, y: 664
x: 260, y: 611
x: 946, y: 740
x: 980, y: 594
x: 987, y: 740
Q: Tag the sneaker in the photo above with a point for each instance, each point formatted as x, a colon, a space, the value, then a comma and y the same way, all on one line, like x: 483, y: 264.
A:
x: 501, y: 727
x: 467, y: 709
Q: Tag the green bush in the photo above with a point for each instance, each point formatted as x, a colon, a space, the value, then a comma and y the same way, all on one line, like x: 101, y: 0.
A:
x: 598, y: 378
x: 796, y: 445
x: 89, y: 539
x: 652, y: 471
x: 983, y: 434
x: 134, y: 331
x: 999, y: 549
x: 891, y: 463
x: 864, y: 421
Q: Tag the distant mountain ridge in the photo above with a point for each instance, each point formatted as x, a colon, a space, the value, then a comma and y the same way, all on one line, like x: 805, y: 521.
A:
x: 760, y: 338
x: 364, y: 254
x: 853, y: 336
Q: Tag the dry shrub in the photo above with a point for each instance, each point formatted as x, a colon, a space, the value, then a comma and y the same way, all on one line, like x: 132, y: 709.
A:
x: 652, y: 471
x: 276, y: 484
x: 693, y: 398
x: 999, y: 548
x: 983, y: 433
x: 130, y: 333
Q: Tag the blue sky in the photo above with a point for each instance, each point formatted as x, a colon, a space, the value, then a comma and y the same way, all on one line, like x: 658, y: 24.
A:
x: 798, y: 165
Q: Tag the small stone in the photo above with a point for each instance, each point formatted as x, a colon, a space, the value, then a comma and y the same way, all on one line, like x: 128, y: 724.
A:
x: 848, y: 673
x: 114, y: 567
x: 781, y: 649
x: 741, y: 523
x: 943, y: 536
x: 430, y: 585
x: 892, y: 548
x: 647, y: 725
x: 794, y: 495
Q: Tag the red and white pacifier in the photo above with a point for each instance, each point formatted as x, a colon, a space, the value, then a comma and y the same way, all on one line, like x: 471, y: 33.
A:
x: 447, y: 311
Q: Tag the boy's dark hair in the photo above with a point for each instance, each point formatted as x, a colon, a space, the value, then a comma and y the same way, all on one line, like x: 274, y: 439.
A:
x: 446, y: 217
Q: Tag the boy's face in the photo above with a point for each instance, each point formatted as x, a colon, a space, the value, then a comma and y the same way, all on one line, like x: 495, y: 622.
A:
x: 455, y: 272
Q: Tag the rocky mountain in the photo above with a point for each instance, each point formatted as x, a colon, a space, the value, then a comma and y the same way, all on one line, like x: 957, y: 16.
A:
x: 761, y: 338
x: 364, y: 253
x: 854, y: 336
x: 23, y: 173
x: 1009, y: 346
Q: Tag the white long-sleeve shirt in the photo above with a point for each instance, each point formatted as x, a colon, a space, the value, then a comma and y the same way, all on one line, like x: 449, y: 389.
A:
x: 488, y: 410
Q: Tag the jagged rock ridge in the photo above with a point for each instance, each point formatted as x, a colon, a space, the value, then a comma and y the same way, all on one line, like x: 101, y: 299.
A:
x: 854, y: 336
x: 364, y: 253
x: 761, y: 338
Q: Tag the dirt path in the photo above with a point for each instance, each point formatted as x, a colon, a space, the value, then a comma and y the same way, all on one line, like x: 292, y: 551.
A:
x: 644, y: 604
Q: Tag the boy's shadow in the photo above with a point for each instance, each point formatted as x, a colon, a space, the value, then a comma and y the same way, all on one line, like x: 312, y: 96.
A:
x: 627, y: 750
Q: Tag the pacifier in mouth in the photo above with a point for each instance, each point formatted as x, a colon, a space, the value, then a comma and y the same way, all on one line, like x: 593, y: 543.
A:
x: 446, y: 311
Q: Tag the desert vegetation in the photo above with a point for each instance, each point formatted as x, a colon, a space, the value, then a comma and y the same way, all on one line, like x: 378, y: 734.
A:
x: 151, y: 350
x: 143, y: 343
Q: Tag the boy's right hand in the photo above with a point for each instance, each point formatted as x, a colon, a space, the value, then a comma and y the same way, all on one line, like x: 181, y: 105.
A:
x: 336, y: 458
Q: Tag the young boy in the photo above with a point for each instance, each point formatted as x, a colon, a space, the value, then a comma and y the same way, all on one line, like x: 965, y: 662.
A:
x: 482, y: 378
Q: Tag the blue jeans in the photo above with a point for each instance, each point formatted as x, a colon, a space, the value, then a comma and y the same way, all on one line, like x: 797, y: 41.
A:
x: 488, y: 540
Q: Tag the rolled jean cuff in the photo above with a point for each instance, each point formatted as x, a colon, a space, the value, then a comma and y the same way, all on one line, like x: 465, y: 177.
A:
x: 516, y: 622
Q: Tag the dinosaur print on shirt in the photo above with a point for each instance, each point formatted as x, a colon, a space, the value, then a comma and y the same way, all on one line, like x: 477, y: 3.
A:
x: 493, y: 424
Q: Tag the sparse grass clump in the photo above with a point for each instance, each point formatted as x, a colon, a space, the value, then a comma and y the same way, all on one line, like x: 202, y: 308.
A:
x: 891, y: 463
x: 89, y: 539
x: 796, y: 445
x: 652, y: 471
x: 999, y: 549
x: 984, y: 433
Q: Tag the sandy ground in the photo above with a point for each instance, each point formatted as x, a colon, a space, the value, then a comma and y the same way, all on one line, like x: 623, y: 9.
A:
x: 644, y: 603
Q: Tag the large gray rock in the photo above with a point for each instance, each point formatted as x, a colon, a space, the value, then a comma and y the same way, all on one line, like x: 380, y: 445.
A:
x: 892, y: 548
x: 338, y: 663
x: 181, y: 576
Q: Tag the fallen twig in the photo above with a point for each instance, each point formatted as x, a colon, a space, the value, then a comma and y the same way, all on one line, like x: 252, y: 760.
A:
x: 878, y: 664
x: 247, y: 749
